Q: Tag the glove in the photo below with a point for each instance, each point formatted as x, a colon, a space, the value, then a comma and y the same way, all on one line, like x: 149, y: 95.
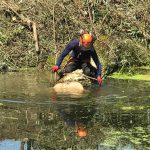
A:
x: 99, y: 80
x: 55, y: 68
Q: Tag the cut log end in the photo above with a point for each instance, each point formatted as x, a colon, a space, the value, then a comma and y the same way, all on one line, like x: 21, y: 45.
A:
x: 69, y: 88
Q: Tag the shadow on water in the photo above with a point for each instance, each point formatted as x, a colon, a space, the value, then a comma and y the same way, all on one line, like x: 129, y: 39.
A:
x: 33, y: 117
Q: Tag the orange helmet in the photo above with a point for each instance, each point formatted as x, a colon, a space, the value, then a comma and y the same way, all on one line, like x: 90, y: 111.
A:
x: 86, y: 38
x: 81, y: 132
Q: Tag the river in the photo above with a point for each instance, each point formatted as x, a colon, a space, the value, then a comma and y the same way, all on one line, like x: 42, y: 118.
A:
x: 115, y: 116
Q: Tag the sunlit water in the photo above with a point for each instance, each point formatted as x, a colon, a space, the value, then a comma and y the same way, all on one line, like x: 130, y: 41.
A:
x: 115, y: 116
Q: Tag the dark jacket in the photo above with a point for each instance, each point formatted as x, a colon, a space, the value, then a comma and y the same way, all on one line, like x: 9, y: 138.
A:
x: 79, y: 54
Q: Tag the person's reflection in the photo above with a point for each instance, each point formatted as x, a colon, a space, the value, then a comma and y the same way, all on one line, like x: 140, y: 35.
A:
x: 78, y: 116
x: 27, y: 144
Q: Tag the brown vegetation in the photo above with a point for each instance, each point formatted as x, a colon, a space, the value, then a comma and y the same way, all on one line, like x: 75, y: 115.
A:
x: 122, y: 28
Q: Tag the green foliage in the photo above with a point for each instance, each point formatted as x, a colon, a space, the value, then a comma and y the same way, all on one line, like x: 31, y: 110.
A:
x: 136, y: 136
x: 4, y: 38
x: 124, y: 23
x: 131, y: 76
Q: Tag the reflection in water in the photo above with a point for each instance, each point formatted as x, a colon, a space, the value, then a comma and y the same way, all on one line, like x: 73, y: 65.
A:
x: 78, y: 117
x: 118, y: 147
x: 54, y: 126
x: 116, y: 116
x: 17, y: 145
x: 10, y: 144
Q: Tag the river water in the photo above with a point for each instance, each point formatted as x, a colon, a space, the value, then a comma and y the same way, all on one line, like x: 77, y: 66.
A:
x: 115, y: 116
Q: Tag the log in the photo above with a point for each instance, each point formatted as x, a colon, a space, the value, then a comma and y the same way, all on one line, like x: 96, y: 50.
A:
x: 73, y: 87
x: 74, y: 83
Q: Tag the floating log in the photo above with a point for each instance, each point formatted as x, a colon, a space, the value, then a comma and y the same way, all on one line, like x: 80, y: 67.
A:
x: 74, y: 83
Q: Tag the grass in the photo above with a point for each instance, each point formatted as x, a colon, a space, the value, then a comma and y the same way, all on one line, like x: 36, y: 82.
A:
x: 145, y: 77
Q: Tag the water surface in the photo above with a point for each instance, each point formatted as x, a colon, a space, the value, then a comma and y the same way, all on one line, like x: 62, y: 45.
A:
x: 115, y: 116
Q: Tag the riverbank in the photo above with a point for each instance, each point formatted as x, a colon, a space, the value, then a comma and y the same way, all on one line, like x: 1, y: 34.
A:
x: 141, y: 73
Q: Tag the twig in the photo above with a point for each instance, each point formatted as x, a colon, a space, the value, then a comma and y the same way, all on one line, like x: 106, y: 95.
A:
x: 35, y: 36
x: 54, y: 34
x: 91, y: 20
x: 90, y: 77
x: 13, y: 118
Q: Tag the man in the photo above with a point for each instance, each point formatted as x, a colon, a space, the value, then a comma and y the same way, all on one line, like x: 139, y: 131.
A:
x: 82, y: 50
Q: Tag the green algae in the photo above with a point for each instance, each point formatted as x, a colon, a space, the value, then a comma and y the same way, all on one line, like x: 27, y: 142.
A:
x: 145, y: 77
x: 129, y: 108
x: 140, y: 73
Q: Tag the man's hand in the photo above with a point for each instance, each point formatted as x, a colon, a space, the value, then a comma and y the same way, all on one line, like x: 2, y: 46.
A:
x: 99, y: 80
x: 55, y: 68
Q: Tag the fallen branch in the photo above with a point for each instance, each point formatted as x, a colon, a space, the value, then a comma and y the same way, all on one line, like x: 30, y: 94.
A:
x: 29, y: 23
x: 35, y: 37
x: 13, y: 118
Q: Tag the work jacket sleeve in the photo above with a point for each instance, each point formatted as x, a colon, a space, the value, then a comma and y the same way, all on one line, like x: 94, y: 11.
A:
x: 65, y: 52
x: 97, y: 62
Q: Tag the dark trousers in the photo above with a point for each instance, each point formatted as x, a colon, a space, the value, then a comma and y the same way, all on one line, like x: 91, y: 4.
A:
x: 87, y: 68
